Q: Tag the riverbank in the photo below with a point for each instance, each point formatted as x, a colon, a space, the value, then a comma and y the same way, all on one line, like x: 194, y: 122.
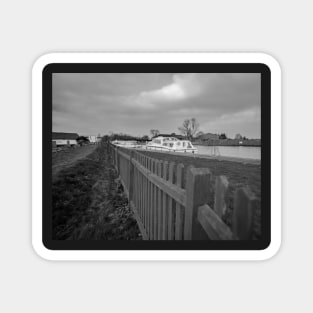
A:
x: 231, y: 153
x: 88, y: 202
x: 229, y: 142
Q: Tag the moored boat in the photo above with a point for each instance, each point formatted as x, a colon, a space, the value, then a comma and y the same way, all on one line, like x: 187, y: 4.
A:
x: 170, y: 144
x: 126, y: 143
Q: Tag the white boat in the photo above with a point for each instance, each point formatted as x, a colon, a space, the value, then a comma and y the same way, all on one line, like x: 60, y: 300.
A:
x: 170, y: 144
x: 126, y: 143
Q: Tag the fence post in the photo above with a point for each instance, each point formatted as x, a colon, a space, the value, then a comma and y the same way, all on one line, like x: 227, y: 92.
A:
x: 221, y: 187
x: 165, y: 201
x: 160, y: 213
x: 131, y: 176
x: 170, y: 211
x: 179, y: 208
x: 244, y: 209
x: 115, y: 155
x: 155, y: 204
x: 197, y: 194
x: 118, y: 160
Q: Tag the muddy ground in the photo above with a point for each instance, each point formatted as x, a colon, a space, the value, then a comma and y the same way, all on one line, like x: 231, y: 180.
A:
x: 88, y: 199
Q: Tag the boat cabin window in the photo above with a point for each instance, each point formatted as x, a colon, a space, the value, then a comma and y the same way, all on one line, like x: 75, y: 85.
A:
x: 178, y: 144
x: 189, y: 145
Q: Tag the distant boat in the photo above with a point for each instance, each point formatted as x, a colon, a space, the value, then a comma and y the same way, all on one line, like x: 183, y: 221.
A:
x: 126, y: 143
x: 170, y: 144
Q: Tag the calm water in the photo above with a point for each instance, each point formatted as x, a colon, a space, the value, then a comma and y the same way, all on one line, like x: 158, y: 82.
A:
x: 235, y: 152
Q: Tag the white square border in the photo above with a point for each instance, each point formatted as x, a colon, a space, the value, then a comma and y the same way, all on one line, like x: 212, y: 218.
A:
x: 156, y: 255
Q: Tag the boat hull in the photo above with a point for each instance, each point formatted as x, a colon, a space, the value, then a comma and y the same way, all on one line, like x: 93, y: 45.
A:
x: 165, y: 149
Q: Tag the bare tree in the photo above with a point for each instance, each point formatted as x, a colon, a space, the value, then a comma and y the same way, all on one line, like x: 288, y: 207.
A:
x: 154, y: 132
x: 200, y: 133
x: 189, y: 128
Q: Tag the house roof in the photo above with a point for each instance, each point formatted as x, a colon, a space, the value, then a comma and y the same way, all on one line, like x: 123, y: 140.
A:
x: 68, y: 136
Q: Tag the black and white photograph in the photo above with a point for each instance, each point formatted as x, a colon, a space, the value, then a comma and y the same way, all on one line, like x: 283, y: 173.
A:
x: 156, y: 156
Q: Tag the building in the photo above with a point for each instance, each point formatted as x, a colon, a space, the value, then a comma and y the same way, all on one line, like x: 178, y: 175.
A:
x: 208, y: 136
x: 64, y: 139
x: 92, y: 138
x: 180, y: 137
x: 99, y: 138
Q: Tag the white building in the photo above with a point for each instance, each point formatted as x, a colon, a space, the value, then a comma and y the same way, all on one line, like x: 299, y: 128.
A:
x: 92, y: 138
x: 64, y: 139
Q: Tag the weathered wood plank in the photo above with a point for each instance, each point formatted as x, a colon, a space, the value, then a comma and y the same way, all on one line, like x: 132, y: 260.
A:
x: 139, y: 196
x: 151, y: 202
x: 197, y: 189
x: 124, y: 155
x: 146, y: 203
x: 170, y: 221
x: 221, y: 186
x: 148, y: 197
x: 136, y: 215
x: 244, y: 210
x: 176, y: 193
x: 165, y: 201
x: 179, y: 208
x: 215, y: 228
x: 155, y: 205
x: 160, y: 219
x: 131, y: 177
x: 135, y: 187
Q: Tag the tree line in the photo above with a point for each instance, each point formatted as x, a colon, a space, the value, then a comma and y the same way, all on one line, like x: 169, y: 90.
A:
x: 189, y: 130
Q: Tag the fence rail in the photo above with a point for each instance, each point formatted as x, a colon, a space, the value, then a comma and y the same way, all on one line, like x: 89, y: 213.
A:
x: 170, y: 202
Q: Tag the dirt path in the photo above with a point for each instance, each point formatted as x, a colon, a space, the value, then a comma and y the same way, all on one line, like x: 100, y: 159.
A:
x: 66, y: 158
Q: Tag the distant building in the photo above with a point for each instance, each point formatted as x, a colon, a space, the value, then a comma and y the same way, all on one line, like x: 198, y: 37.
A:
x: 92, y: 138
x: 64, y: 139
x: 170, y: 135
x: 208, y: 136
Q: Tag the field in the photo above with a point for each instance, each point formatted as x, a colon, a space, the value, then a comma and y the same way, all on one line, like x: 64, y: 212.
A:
x: 239, y: 174
x: 65, y: 158
x: 87, y: 198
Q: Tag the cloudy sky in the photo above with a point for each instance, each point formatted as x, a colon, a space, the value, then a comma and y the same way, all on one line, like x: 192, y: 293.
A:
x: 136, y: 103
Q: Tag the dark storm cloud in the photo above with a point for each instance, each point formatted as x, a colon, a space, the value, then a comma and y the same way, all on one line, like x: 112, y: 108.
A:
x: 135, y: 103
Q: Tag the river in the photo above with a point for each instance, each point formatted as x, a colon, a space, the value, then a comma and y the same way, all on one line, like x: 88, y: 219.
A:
x: 231, y: 151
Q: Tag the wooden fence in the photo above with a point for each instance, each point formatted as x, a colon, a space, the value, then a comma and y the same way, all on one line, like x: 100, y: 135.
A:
x: 170, y: 202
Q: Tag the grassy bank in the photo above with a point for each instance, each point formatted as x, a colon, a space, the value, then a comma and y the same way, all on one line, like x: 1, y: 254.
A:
x: 88, y: 201
x: 67, y: 157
